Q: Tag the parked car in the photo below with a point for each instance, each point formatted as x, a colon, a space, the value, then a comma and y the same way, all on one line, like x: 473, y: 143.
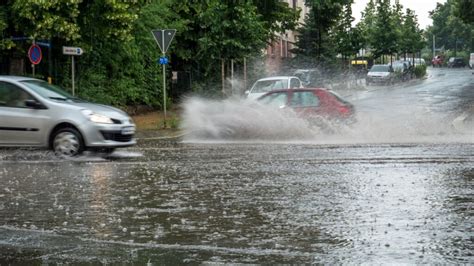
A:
x: 34, y: 113
x: 403, y: 69
x: 419, y: 61
x: 311, y: 103
x: 382, y: 74
x: 437, y: 61
x: 310, y: 77
x: 456, y: 62
x: 471, y: 60
x: 264, y: 85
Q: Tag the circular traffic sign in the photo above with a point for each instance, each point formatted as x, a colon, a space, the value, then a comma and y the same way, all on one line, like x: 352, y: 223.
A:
x: 34, y: 54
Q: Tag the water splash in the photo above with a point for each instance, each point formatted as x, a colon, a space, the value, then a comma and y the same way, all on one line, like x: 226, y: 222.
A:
x: 241, y: 120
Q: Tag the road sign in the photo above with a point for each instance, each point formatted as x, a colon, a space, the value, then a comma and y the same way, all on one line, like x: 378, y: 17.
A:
x: 163, y: 38
x: 44, y: 43
x: 34, y: 54
x: 72, y: 50
x: 163, y: 60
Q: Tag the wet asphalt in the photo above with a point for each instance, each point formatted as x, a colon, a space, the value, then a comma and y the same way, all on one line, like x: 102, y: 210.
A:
x: 397, y: 190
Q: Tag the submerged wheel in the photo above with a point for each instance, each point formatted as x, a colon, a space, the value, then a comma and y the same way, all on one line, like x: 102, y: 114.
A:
x: 68, y: 142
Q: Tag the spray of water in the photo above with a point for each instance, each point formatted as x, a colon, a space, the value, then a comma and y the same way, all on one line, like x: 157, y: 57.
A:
x: 241, y: 120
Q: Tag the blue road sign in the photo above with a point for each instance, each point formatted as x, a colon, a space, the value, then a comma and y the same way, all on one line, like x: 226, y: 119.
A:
x: 163, y: 60
x: 34, y: 54
x: 44, y: 43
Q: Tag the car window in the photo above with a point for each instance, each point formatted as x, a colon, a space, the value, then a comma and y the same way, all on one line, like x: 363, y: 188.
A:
x: 294, y: 83
x: 277, y: 99
x: 379, y: 68
x: 304, y: 99
x: 269, y: 85
x: 12, y: 95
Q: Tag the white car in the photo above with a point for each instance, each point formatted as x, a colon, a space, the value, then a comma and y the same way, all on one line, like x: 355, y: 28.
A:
x: 262, y: 86
x: 380, y: 74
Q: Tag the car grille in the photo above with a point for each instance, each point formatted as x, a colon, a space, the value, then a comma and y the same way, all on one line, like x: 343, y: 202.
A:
x: 116, y: 136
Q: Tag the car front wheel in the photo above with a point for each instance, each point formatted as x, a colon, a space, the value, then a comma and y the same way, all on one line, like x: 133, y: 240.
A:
x: 68, y: 142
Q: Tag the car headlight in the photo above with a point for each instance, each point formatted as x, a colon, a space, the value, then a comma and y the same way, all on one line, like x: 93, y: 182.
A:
x: 97, y: 118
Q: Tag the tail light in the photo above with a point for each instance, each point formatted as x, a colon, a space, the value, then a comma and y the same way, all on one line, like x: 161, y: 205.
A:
x: 345, y: 110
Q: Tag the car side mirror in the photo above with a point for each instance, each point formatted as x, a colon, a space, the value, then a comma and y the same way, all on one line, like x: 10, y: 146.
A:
x: 34, y: 104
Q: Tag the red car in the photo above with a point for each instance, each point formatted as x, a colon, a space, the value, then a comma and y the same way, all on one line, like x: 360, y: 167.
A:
x: 311, y: 102
x: 437, y: 61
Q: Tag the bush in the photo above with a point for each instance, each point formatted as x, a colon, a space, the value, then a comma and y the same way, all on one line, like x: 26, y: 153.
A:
x: 420, y: 71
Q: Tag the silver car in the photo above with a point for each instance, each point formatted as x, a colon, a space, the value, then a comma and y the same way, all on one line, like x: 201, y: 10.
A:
x: 34, y: 113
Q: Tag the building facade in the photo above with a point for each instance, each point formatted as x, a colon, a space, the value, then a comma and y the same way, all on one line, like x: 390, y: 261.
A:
x: 280, y: 49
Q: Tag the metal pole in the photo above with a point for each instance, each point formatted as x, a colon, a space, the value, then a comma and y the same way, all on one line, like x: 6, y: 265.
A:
x: 434, y: 46
x: 164, y: 94
x: 72, y: 73
x: 33, y: 65
x: 164, y: 78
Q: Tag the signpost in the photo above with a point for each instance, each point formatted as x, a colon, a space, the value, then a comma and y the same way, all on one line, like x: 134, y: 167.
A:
x: 35, y: 55
x: 72, y: 51
x: 163, y: 38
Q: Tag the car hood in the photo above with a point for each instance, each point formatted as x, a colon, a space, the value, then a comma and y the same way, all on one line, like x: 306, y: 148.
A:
x: 378, y: 74
x: 101, y: 109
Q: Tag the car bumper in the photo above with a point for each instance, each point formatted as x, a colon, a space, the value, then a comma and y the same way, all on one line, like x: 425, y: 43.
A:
x: 109, y: 135
x: 377, y: 79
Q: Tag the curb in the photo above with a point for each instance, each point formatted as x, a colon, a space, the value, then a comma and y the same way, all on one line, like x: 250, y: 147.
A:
x: 163, y: 138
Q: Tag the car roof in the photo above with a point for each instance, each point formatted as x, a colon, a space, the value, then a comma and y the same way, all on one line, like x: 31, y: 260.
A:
x: 297, y: 89
x: 277, y: 78
x: 15, y: 78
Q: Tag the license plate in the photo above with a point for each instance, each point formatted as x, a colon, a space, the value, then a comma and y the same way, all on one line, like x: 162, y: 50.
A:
x: 128, y: 131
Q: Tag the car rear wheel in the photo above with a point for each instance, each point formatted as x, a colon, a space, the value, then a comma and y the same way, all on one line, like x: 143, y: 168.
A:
x: 67, y: 142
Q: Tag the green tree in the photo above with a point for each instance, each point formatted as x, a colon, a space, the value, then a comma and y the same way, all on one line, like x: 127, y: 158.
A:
x: 217, y: 30
x: 277, y: 17
x: 411, y: 40
x: 47, y: 19
x: 384, y: 39
x: 5, y: 42
x: 465, y: 10
x: 366, y: 25
x: 315, y: 36
x: 397, y: 22
x: 348, y: 39
x: 450, y: 31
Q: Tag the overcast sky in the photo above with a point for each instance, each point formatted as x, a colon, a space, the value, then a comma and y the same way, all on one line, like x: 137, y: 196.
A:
x: 421, y: 7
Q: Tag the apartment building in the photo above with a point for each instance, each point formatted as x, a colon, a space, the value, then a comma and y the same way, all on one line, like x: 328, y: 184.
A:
x: 280, y: 49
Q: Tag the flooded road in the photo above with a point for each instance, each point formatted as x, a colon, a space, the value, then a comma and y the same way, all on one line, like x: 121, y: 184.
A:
x: 399, y: 196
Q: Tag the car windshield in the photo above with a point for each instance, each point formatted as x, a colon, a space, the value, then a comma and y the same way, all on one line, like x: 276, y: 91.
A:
x: 269, y: 85
x: 379, y: 68
x: 50, y: 91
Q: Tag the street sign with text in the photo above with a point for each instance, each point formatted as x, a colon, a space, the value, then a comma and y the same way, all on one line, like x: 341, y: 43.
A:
x: 163, y: 38
x: 72, y: 50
